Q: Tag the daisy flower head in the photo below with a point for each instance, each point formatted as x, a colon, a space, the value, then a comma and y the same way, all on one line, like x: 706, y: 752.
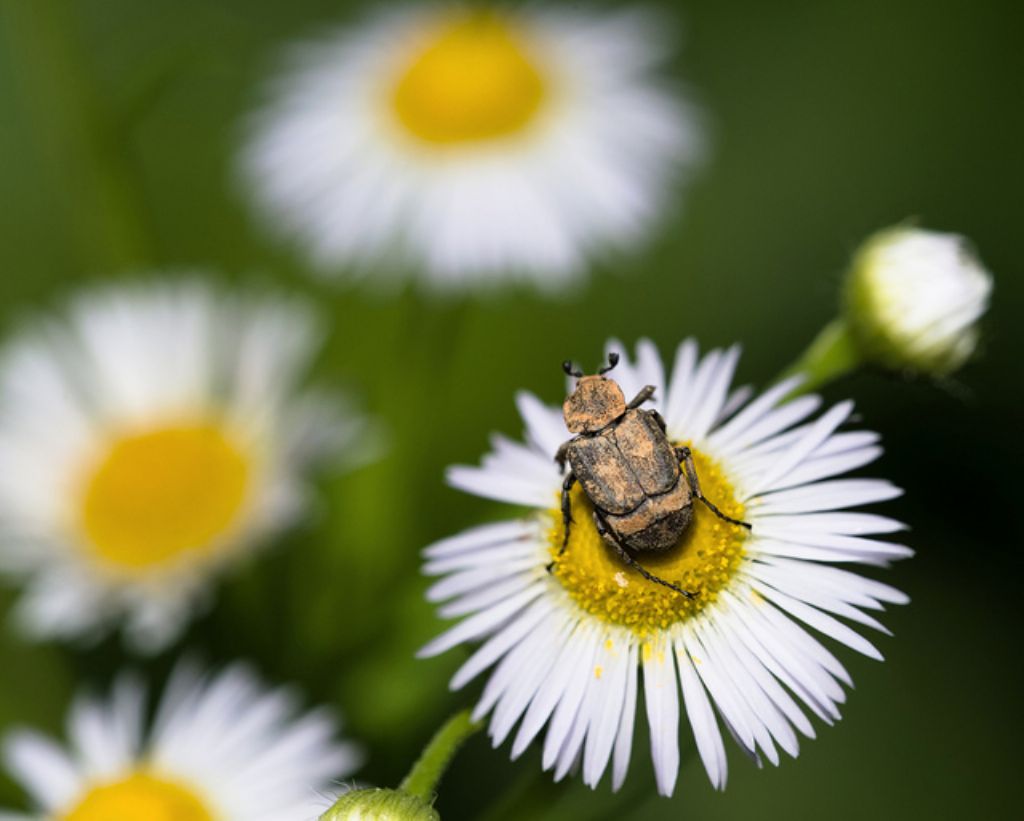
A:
x: 472, y: 143
x: 152, y: 435
x: 576, y: 633
x: 221, y: 748
x: 915, y: 298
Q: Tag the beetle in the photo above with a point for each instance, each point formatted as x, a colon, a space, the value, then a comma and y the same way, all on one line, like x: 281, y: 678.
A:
x: 641, y: 486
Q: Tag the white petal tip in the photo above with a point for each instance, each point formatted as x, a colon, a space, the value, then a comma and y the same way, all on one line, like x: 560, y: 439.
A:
x: 667, y: 785
x: 430, y: 650
x: 460, y: 680
x: 458, y: 476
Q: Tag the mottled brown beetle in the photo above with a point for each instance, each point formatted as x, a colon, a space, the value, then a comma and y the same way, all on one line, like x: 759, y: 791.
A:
x: 630, y: 471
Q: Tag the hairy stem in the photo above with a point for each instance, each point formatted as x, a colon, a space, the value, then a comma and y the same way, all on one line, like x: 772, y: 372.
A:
x: 425, y: 774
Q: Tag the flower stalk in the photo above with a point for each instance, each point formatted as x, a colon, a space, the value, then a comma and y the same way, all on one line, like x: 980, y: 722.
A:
x: 832, y: 355
x: 414, y: 798
x: 425, y: 774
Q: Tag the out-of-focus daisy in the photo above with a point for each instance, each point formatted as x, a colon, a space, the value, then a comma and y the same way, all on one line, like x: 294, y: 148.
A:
x: 568, y: 642
x: 148, y: 438
x: 472, y: 143
x: 221, y: 748
x: 914, y: 298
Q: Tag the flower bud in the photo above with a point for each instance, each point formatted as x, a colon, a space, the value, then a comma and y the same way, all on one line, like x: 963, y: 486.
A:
x: 913, y: 300
x: 373, y: 804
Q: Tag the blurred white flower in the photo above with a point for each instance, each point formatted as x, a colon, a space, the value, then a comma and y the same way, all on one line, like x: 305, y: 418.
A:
x: 150, y: 437
x: 221, y: 748
x: 472, y: 145
x: 569, y: 632
x: 915, y: 298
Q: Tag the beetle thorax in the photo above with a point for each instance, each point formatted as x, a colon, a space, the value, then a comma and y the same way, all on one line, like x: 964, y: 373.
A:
x: 595, y: 404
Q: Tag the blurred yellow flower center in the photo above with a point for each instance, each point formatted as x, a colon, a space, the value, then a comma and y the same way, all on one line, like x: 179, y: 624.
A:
x: 140, y: 797
x: 703, y: 562
x: 473, y: 82
x: 161, y: 494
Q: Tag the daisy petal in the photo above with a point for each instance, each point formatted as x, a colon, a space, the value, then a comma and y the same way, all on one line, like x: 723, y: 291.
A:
x: 661, y: 694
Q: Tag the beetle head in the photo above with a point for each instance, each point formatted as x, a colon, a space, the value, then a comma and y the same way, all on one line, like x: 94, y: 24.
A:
x: 596, y: 402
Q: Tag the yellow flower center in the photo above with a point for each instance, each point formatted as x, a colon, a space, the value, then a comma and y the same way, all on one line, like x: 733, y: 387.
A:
x: 163, y: 494
x: 474, y: 81
x: 140, y: 797
x: 703, y: 562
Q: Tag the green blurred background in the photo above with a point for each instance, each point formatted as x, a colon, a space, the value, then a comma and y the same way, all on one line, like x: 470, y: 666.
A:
x: 828, y: 120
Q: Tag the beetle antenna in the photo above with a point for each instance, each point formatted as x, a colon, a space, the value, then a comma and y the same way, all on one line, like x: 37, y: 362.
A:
x: 570, y: 370
x: 613, y: 360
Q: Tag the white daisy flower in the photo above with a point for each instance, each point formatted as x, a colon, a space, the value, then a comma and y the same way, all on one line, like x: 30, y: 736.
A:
x: 472, y: 143
x: 149, y: 438
x: 220, y: 748
x: 915, y: 298
x: 568, y: 642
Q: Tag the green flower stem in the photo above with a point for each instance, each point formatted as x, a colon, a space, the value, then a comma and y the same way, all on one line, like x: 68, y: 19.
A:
x: 425, y: 774
x: 833, y: 354
x: 86, y: 157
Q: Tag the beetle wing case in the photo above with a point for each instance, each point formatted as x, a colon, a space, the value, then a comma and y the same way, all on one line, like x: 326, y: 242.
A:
x: 605, y: 474
x: 647, y: 451
x: 624, y: 465
x: 658, y: 523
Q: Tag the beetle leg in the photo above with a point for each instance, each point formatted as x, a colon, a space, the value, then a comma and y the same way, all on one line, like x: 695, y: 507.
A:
x: 562, y: 454
x: 645, y: 393
x: 659, y: 419
x: 612, y: 539
x: 567, y: 519
x: 683, y: 455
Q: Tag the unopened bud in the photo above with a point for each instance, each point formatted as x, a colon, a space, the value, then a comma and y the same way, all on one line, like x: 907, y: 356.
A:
x: 914, y: 298
x: 374, y: 804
